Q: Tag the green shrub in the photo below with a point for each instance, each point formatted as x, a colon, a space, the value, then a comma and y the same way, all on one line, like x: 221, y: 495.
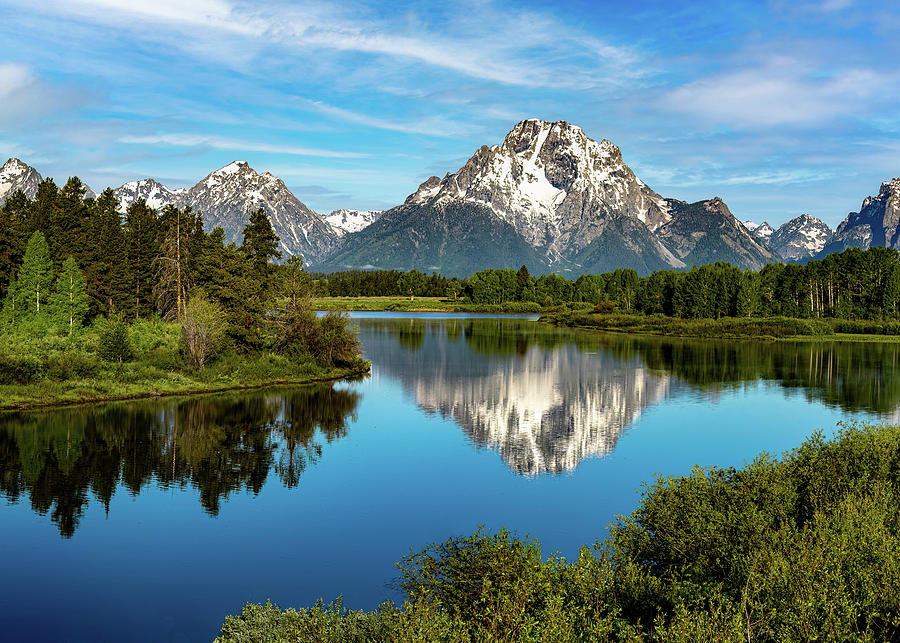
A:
x: 793, y: 550
x: 20, y: 369
x: 114, y: 342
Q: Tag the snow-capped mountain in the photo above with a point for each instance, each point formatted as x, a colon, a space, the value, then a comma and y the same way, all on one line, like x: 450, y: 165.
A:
x: 801, y: 238
x: 17, y: 175
x: 760, y: 231
x: 876, y: 224
x: 345, y: 221
x: 543, y: 409
x: 229, y: 195
x: 154, y: 193
x: 548, y: 197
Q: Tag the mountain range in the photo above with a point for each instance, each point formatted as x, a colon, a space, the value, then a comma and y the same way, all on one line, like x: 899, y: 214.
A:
x: 548, y: 197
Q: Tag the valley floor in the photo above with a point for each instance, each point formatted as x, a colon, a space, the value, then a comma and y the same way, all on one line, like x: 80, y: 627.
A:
x: 420, y: 305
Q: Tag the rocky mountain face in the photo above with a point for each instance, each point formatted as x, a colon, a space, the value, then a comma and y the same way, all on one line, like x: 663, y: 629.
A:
x: 229, y: 195
x: 706, y: 231
x: 876, y: 224
x: 800, y: 239
x: 154, y: 193
x: 345, y: 221
x: 16, y: 175
x: 571, y: 200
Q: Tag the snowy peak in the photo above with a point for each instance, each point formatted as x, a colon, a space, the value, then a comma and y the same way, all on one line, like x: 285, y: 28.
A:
x: 228, y: 196
x: 154, y: 193
x: 18, y: 175
x: 345, y: 221
x: 801, y: 238
x: 552, y: 183
x: 763, y: 231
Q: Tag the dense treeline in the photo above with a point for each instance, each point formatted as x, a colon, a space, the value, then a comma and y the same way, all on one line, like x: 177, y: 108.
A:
x: 800, y: 549
x: 854, y: 284
x: 67, y: 261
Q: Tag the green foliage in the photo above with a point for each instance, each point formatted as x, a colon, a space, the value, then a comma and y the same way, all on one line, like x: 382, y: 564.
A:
x: 771, y: 327
x: 114, y: 343
x: 203, y: 330
x: 798, y: 549
x: 260, y: 243
x: 32, y: 291
x: 69, y: 302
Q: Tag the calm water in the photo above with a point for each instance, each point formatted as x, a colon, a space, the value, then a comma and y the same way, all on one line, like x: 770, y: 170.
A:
x: 150, y: 521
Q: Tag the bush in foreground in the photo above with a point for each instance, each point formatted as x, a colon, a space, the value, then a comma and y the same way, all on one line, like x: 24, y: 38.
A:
x: 798, y: 549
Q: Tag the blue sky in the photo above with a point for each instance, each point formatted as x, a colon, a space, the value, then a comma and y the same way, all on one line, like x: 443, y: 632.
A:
x: 780, y: 108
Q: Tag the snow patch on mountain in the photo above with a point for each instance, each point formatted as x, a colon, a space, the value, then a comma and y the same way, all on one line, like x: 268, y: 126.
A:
x: 18, y: 175
x: 800, y: 238
x: 552, y: 183
x: 154, y: 193
x: 345, y: 221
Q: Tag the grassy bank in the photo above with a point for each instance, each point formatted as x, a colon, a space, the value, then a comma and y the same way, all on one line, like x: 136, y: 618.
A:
x: 781, y: 328
x: 421, y: 304
x: 49, y: 370
x: 801, y: 548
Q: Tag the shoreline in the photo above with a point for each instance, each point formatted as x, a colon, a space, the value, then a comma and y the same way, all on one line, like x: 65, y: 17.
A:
x: 710, y: 328
x: 48, y: 404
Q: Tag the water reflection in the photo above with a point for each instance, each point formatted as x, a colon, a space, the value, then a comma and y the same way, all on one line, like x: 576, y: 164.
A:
x: 218, y: 444
x: 547, y: 398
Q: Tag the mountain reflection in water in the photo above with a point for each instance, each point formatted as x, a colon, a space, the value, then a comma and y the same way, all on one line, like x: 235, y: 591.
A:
x: 219, y: 444
x: 547, y: 398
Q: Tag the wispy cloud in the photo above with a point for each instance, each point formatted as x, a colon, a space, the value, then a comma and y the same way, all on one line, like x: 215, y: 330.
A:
x: 219, y: 143
x: 781, y: 91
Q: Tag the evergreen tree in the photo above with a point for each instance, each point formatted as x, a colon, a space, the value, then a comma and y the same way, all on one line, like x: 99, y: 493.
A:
x: 260, y: 241
x: 68, y: 230
x: 106, y: 265
x: 141, y: 251
x: 35, y: 277
x: 69, y: 302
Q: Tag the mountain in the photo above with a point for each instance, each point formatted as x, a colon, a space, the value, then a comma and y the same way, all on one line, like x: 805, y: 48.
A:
x: 16, y: 175
x: 876, y: 224
x: 454, y: 239
x: 554, y: 199
x: 706, y: 231
x: 760, y: 231
x: 227, y: 196
x: 344, y: 221
x: 153, y: 192
x: 800, y: 239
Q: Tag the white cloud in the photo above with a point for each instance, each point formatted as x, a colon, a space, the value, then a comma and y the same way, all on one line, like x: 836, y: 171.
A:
x: 24, y: 96
x: 782, y: 91
x: 221, y: 143
x: 507, y: 46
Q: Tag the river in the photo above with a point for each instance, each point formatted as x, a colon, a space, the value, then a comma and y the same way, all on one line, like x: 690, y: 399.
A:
x: 152, y: 520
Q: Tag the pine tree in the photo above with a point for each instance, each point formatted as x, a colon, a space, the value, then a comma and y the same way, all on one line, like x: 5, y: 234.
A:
x: 260, y: 241
x: 35, y: 277
x: 141, y: 250
x: 69, y: 302
x: 106, y: 267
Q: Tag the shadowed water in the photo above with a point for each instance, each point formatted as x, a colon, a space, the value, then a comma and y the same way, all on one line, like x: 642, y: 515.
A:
x: 151, y: 520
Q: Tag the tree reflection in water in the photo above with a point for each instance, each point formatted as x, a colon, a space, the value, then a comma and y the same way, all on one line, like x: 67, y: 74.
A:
x: 546, y: 397
x: 219, y: 444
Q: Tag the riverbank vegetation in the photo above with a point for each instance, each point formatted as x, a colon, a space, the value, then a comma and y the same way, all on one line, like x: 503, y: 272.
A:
x: 100, y: 307
x: 801, y: 548
x: 852, y: 285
